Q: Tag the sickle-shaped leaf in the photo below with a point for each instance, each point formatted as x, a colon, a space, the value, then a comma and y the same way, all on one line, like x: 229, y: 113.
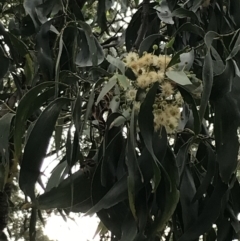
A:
x: 4, y: 63
x: 208, y: 215
x: 37, y: 144
x: 145, y: 120
x: 110, y: 84
x: 61, y: 196
x: 30, y: 102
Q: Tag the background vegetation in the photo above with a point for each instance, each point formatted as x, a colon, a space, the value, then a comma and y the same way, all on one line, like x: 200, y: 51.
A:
x: 140, y: 104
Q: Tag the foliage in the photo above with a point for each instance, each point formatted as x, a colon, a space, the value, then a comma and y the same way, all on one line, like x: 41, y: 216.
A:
x: 144, y: 114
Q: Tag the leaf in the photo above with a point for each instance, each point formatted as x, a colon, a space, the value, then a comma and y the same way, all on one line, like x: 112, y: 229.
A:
x: 44, y: 52
x: 25, y: 108
x: 117, y: 63
x: 4, y: 64
x: 147, y: 43
x: 211, y: 168
x: 55, y: 178
x: 29, y: 6
x: 35, y: 149
x: 61, y: 196
x: 192, y: 28
x: 182, y: 156
x: 101, y: 15
x: 5, y: 125
x: 91, y: 52
x: 110, y: 84
x: 132, y: 29
x: 226, y: 123
x: 164, y: 12
x: 145, y: 121
x: 167, y: 194
x: 209, y: 214
x: 186, y: 60
x: 184, y: 13
x: 178, y: 77
x: 19, y: 45
x: 123, y: 81
x: 187, y: 192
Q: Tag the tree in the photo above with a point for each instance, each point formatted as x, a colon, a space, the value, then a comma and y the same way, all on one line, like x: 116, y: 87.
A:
x: 144, y: 114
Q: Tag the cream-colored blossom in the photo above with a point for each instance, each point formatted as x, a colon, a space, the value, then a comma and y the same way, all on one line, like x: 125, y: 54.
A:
x: 131, y: 57
x: 163, y: 61
x: 143, y: 81
x: 167, y: 89
x: 131, y: 94
x: 160, y: 76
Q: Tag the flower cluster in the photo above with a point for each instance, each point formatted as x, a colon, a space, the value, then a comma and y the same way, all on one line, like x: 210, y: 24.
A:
x: 149, y: 69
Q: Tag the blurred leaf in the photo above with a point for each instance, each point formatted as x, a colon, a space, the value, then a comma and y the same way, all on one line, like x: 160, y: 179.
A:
x: 107, y: 87
x: 101, y: 15
x: 35, y: 149
x: 61, y: 196
x: 192, y: 28
x: 226, y: 123
x: 19, y: 45
x: 211, y: 168
x: 90, y: 52
x: 184, y: 13
x: 164, y: 12
x: 44, y: 52
x: 123, y: 81
x: 4, y: 63
x: 187, y: 192
x: 55, y: 178
x: 32, y: 225
x: 5, y: 125
x: 178, y: 77
x: 30, y: 8
x: 208, y: 215
x: 117, y: 63
x: 147, y: 43
x: 171, y: 193
x: 145, y: 121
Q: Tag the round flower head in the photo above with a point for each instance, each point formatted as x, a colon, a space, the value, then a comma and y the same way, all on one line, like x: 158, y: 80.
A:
x: 143, y: 81
x: 167, y: 89
x: 131, y: 94
x: 163, y: 61
x: 131, y: 57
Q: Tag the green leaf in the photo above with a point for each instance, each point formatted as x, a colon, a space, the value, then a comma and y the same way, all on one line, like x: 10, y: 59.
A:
x: 5, y: 125
x: 44, y: 51
x: 192, y: 28
x: 145, y: 120
x: 4, y: 64
x: 29, y: 6
x: 123, y: 81
x: 147, y: 43
x: 61, y: 196
x: 35, y: 149
x: 209, y: 214
x: 171, y: 193
x: 25, y: 108
x: 226, y: 123
x: 211, y: 169
x: 55, y: 178
x: 19, y: 45
x: 101, y: 15
x: 117, y: 63
x: 110, y: 84
x: 164, y: 12
x: 178, y: 77
x: 184, y: 13
x: 91, y: 52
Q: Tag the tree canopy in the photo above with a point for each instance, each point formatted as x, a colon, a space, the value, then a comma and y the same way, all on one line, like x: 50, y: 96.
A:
x: 140, y: 102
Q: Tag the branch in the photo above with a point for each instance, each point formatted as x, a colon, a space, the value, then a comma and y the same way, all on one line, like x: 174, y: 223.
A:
x: 144, y: 26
